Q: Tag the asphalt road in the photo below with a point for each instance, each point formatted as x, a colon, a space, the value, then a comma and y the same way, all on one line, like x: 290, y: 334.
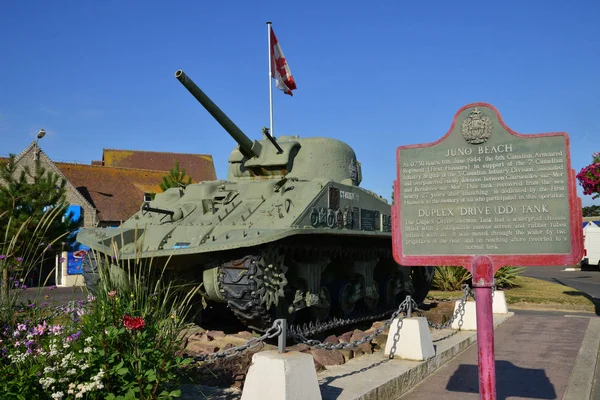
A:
x: 54, y: 296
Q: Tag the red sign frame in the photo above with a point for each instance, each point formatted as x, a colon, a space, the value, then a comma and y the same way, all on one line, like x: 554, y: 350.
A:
x: 497, y: 260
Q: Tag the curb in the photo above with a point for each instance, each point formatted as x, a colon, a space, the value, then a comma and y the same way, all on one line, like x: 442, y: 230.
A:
x: 581, y: 380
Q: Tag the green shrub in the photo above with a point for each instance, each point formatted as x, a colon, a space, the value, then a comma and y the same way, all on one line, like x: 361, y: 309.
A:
x: 449, y: 279
x: 136, y: 319
x: 507, y: 277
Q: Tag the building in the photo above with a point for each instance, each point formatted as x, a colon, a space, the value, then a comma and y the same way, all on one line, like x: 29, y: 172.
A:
x: 105, y: 193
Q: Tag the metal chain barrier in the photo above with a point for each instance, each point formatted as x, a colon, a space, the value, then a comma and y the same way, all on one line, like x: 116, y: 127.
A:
x: 275, y: 330
x: 460, y: 311
x: 299, y: 334
x: 406, y: 305
x: 312, y: 329
x: 397, y: 335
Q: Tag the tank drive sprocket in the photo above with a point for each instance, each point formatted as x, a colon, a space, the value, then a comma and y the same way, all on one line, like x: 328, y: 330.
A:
x: 253, y: 285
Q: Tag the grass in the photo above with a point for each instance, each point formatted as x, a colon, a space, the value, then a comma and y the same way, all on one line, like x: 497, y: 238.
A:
x: 538, y: 293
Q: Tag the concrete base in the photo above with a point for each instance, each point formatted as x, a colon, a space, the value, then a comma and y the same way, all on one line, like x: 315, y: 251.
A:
x: 499, y: 303
x: 469, y: 320
x: 281, y: 376
x: 415, y: 341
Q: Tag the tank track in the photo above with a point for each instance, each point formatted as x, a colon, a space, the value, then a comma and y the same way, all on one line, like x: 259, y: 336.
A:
x: 241, y: 286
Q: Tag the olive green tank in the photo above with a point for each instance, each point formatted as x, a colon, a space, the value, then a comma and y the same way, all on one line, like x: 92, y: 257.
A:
x: 289, y: 234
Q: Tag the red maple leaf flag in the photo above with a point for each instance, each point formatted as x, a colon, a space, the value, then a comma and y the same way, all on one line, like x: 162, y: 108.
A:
x: 280, y: 70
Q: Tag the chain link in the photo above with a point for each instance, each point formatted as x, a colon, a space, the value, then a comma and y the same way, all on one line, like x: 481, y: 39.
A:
x: 460, y: 310
x: 274, y: 331
x: 338, y: 346
x: 396, y: 337
x: 312, y: 329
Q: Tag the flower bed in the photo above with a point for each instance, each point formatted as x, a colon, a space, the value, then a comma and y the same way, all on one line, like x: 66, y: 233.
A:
x: 122, y: 342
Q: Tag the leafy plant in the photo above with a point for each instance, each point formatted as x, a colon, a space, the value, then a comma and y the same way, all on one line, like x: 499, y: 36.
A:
x: 453, y: 278
x: 136, y: 320
x: 450, y: 278
x: 508, y: 277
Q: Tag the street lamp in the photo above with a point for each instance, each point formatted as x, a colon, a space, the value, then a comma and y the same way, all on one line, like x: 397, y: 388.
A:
x: 40, y: 135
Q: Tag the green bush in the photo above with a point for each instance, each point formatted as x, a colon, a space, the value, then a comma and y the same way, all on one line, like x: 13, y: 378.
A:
x: 449, y: 279
x: 507, y: 277
x: 135, y: 319
x: 452, y: 278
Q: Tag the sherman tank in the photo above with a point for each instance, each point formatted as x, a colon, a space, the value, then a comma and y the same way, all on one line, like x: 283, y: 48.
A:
x: 289, y: 234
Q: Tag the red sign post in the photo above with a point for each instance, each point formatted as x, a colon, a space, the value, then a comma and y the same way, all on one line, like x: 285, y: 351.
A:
x: 483, y: 197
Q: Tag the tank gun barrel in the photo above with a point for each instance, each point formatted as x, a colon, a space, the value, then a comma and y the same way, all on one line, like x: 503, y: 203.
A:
x: 246, y: 145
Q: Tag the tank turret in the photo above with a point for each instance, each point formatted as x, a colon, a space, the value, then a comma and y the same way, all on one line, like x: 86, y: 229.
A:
x: 290, y: 156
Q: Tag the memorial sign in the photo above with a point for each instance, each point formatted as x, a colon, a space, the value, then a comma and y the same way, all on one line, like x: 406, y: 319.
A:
x: 483, y: 189
x: 482, y: 197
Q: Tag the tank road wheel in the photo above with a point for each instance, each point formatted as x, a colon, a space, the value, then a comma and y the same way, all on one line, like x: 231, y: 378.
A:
x: 370, y: 303
x: 388, y: 294
x: 321, y: 312
x: 422, y: 279
x: 343, y: 298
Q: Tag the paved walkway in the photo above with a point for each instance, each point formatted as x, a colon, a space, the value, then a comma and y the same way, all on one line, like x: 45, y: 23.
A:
x: 535, y: 354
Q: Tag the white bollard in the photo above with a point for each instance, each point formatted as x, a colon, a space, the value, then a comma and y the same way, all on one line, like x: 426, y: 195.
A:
x: 469, y: 320
x: 415, y: 341
x: 281, y: 376
x: 499, y: 303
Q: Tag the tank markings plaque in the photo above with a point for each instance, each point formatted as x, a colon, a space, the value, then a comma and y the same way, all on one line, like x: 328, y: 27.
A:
x: 485, y: 190
x: 367, y: 219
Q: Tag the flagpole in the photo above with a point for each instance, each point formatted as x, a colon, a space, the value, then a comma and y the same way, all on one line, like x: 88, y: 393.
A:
x: 270, y: 80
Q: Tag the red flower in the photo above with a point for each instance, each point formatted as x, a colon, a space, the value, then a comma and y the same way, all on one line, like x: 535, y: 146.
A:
x: 133, y: 323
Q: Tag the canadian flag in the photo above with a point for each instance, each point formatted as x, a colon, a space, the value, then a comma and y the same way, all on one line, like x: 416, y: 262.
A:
x: 280, y: 70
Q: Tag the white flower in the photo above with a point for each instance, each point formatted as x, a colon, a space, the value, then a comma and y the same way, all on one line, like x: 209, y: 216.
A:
x: 87, y: 350
x: 46, y: 382
x: 58, y: 395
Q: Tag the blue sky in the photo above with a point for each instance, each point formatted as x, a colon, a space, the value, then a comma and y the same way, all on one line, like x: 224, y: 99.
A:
x: 376, y: 75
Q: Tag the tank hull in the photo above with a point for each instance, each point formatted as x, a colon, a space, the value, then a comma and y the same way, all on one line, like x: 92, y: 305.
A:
x: 272, y: 249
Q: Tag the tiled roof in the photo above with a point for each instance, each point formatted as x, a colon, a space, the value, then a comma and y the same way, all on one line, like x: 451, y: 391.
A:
x: 117, y: 193
x: 198, y: 166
